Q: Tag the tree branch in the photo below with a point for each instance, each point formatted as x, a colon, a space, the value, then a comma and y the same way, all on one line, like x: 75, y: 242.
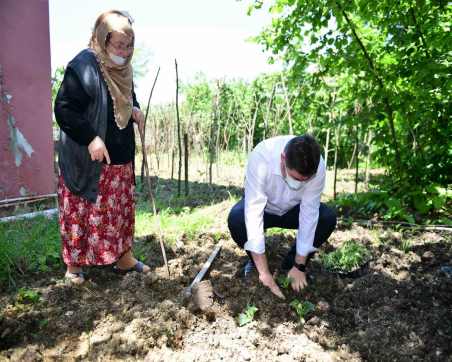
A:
x: 421, y: 35
x: 373, y: 68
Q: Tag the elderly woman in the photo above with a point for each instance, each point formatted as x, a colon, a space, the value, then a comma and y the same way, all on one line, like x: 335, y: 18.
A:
x: 95, y: 109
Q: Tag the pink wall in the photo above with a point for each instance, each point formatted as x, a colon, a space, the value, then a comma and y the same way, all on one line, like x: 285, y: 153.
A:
x: 26, y: 145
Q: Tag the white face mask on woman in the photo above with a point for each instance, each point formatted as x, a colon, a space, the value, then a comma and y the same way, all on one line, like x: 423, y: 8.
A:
x: 117, y: 59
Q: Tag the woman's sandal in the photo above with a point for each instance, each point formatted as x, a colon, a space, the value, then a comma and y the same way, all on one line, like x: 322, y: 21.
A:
x: 75, y: 278
x: 138, y: 267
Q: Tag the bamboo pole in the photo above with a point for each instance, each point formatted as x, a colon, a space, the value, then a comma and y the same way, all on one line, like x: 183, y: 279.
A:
x: 357, y: 159
x: 178, y: 131
x: 186, y: 162
x: 336, y: 153
x: 327, y: 145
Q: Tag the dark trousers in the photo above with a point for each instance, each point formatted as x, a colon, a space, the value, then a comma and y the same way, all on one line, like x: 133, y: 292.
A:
x: 290, y: 220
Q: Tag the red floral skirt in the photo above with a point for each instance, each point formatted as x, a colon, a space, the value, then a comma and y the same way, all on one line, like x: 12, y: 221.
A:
x: 98, y: 233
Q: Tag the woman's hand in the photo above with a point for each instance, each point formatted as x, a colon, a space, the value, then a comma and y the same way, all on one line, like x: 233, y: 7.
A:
x: 138, y: 117
x: 98, y: 151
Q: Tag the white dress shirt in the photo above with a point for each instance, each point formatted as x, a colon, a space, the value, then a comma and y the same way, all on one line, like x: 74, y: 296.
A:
x: 266, y: 190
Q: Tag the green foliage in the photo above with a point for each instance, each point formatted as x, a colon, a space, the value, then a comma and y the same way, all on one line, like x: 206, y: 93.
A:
x: 431, y: 199
x: 241, y: 113
x: 347, y: 258
x: 380, y: 68
x: 371, y: 77
x: 57, y: 78
x: 374, y: 203
x: 425, y: 205
x: 284, y: 281
x: 302, y: 309
x: 28, y: 246
x: 27, y: 296
x: 247, y: 315
x: 198, y: 96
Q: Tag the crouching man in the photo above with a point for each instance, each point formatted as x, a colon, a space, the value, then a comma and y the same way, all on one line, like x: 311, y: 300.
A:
x: 285, y: 177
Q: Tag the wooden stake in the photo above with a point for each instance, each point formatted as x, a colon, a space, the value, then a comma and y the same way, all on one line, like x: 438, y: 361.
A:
x: 145, y: 120
x: 151, y: 196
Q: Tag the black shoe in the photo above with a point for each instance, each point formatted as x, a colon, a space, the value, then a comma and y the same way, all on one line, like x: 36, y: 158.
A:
x: 248, y: 269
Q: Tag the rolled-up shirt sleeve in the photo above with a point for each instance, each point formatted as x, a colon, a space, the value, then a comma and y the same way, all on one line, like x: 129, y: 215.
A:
x: 309, y: 212
x: 255, y: 201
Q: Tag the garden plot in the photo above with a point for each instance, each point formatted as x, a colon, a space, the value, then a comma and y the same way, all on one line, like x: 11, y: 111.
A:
x: 398, y: 309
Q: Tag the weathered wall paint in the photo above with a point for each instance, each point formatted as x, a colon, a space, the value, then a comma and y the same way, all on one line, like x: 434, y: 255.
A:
x: 26, y: 145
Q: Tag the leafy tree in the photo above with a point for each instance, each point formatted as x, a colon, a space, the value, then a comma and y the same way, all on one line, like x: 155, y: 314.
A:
x: 390, y: 63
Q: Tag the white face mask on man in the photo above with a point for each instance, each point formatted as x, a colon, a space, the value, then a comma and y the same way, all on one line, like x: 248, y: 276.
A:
x: 293, y: 184
x: 117, y: 59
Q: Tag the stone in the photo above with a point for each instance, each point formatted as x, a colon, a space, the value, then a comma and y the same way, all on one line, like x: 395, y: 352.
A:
x: 101, y: 337
x: 282, y: 349
x: 246, y: 355
x: 323, y: 306
x: 83, y: 349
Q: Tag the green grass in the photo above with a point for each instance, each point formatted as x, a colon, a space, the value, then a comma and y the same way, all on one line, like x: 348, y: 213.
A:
x: 280, y: 231
x: 173, y: 224
x: 27, y: 296
x: 28, y: 246
x: 176, y: 218
x: 34, y: 245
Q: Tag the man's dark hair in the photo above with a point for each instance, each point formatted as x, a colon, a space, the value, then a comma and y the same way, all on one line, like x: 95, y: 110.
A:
x: 303, y: 155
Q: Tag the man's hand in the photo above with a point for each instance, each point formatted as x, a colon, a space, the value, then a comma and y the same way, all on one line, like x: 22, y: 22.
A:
x: 138, y: 117
x: 97, y: 150
x: 298, y: 279
x: 269, y: 282
x: 260, y: 260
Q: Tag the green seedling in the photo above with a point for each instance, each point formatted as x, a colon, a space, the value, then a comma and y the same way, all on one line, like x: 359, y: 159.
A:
x: 347, y: 258
x: 43, y: 323
x: 284, y: 281
x: 302, y: 309
x: 248, y: 315
x: 27, y: 296
x: 405, y: 245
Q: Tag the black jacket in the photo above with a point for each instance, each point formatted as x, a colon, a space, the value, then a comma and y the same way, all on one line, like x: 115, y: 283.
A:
x: 80, y: 174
